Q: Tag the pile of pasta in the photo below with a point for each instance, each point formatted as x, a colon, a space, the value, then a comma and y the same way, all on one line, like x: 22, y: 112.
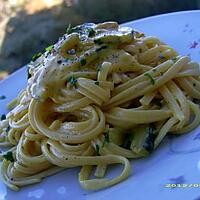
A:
x: 99, y: 96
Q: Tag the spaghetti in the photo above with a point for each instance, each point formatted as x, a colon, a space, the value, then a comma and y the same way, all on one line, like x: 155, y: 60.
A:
x: 100, y: 95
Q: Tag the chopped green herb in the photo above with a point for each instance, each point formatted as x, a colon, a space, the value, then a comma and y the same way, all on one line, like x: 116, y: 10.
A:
x: 98, y: 41
x: 3, y: 116
x: 151, y: 136
x: 150, y: 77
x: 91, y: 32
x: 101, y: 48
x: 97, y: 149
x: 83, y: 62
x: 106, y: 139
x: 2, y: 97
x: 73, y: 81
x: 49, y: 48
x: 9, y: 156
x: 68, y: 31
x: 127, y: 141
x: 98, y: 68
x: 174, y: 59
x: 7, y: 129
x: 82, y: 29
x: 75, y: 29
x: 96, y: 82
x: 36, y: 56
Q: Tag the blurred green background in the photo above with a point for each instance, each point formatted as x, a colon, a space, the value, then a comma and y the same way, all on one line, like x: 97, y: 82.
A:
x: 28, y: 26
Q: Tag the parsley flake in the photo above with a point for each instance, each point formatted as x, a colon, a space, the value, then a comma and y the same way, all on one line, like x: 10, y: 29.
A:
x: 97, y: 149
x: 106, y: 139
x: 49, y: 48
x: 81, y: 29
x: 7, y: 129
x: 150, y: 77
x: 68, y: 31
x: 36, y: 56
x: 91, y: 32
x: 75, y: 29
x: 73, y: 81
x: 98, y: 68
x: 96, y: 82
x: 83, y: 62
x: 9, y: 156
x: 174, y: 59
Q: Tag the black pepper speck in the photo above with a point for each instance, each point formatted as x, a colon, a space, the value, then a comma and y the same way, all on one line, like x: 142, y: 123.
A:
x: 59, y: 62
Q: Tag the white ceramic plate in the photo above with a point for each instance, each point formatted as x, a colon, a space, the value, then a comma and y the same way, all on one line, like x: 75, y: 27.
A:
x: 176, y: 161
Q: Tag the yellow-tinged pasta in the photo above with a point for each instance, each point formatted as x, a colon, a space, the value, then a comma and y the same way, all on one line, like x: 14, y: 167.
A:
x: 100, y: 95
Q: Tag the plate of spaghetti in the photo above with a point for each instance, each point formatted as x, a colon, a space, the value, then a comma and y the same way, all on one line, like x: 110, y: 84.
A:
x: 108, y: 112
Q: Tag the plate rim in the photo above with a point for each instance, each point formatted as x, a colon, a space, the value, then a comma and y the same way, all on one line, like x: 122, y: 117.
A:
x: 161, y: 15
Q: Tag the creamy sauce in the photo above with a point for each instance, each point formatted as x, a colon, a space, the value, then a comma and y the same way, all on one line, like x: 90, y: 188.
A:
x: 83, y: 49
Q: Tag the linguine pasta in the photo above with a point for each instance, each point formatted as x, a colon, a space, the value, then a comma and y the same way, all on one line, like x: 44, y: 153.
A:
x: 101, y: 95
